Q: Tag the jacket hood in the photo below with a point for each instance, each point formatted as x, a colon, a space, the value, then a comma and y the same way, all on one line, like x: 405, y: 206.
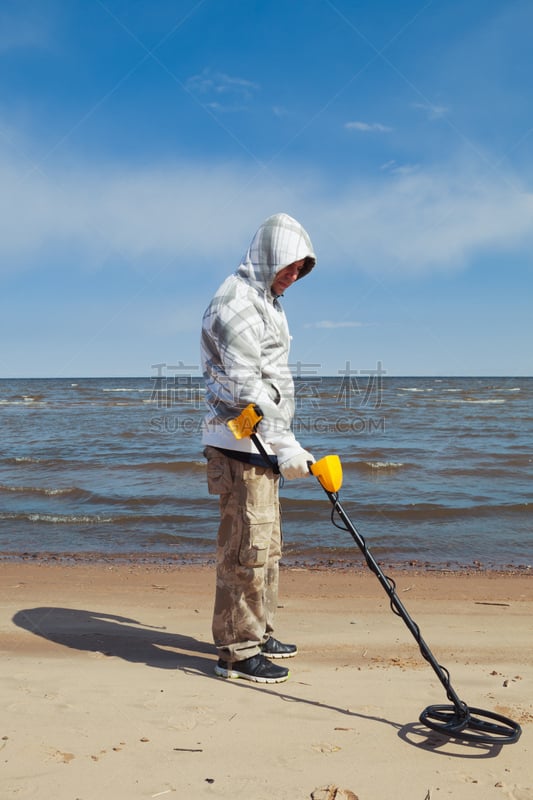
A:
x: 279, y: 241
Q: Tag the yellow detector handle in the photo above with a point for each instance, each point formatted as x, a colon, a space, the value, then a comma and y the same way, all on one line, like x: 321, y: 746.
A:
x: 328, y: 470
x: 245, y: 424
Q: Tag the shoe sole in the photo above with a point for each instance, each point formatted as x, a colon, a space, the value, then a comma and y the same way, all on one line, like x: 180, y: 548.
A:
x: 221, y: 672
x: 278, y: 655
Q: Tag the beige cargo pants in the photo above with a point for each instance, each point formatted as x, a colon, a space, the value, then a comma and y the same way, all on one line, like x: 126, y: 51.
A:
x: 248, y: 554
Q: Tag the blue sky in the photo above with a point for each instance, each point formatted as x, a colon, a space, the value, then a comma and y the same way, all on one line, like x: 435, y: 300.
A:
x: 142, y: 142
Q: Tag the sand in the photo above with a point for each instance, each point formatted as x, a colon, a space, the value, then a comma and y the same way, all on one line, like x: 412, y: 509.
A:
x: 107, y: 687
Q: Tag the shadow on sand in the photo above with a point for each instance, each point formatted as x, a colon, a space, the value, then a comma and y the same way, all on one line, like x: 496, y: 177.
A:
x: 111, y: 635
x: 129, y: 639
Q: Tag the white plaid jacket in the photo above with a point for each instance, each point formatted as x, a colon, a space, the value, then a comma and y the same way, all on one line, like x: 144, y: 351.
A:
x: 245, y: 342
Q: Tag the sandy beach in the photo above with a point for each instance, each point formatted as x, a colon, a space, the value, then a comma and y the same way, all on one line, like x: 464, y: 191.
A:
x: 107, y: 687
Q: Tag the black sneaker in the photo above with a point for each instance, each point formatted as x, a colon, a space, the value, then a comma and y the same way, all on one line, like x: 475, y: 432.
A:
x: 257, y: 668
x: 274, y: 649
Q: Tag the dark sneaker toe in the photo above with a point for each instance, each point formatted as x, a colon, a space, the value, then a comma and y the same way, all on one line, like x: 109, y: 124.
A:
x: 275, y: 649
x: 257, y: 668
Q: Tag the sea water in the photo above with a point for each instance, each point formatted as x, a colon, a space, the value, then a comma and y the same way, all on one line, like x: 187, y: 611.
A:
x: 437, y: 471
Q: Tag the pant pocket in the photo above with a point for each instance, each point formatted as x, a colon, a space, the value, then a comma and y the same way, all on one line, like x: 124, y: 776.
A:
x: 256, y: 534
x: 219, y: 479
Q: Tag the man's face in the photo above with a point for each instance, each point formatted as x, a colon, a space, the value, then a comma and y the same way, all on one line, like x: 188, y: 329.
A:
x: 287, y: 276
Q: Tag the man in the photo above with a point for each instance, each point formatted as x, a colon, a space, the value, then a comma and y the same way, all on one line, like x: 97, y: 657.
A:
x: 245, y: 348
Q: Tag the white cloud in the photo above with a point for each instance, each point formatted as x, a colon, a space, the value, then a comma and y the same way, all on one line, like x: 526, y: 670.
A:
x: 430, y: 219
x: 367, y: 127
x: 399, y: 169
x: 399, y: 222
x: 98, y: 215
x: 219, y: 84
x: 405, y: 169
x: 431, y: 110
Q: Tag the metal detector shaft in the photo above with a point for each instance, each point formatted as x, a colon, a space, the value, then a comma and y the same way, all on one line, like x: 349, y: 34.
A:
x: 266, y: 458
x: 397, y: 605
x: 458, y: 720
x: 469, y: 724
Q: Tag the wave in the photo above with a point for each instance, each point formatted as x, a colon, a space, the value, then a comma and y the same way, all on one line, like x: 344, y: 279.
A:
x: 167, y: 466
x: 520, y: 460
x: 56, y: 519
x: 482, y: 471
x: 89, y: 498
x: 71, y: 491
x: 488, y: 388
x: 476, y: 401
x: 442, y: 400
x: 98, y: 519
x: 375, y: 462
x: 130, y: 389
x: 67, y: 464
x: 306, y: 508
x: 313, y: 510
x: 25, y: 401
x: 194, y: 465
x: 429, y: 512
x: 379, y: 465
x: 138, y: 501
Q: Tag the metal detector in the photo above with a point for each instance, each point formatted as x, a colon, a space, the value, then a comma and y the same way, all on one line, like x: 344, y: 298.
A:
x: 457, y: 720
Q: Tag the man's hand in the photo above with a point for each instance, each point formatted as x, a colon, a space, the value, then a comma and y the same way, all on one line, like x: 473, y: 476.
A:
x: 297, y: 466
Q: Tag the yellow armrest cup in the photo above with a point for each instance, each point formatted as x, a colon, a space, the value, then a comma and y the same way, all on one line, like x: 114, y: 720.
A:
x: 328, y: 470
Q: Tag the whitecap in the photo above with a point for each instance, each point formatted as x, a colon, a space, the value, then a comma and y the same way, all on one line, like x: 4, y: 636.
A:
x: 385, y: 464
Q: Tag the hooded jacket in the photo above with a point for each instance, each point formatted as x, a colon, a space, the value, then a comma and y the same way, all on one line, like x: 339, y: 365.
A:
x: 245, y: 342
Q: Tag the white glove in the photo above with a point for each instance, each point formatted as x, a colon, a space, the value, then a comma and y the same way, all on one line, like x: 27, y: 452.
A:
x: 297, y: 466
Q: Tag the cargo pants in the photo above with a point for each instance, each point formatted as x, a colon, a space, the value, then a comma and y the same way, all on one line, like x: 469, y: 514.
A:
x: 248, y: 554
